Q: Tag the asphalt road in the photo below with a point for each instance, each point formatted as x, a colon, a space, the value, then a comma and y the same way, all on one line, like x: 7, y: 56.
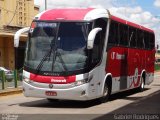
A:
x: 126, y: 105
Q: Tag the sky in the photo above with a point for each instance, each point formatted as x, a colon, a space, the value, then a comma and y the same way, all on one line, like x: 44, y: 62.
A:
x: 145, y: 12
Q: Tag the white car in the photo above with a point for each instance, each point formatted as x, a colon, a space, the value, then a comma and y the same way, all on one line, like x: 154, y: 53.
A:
x: 8, y: 73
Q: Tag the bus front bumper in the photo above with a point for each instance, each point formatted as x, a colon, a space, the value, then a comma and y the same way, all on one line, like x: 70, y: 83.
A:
x: 74, y: 93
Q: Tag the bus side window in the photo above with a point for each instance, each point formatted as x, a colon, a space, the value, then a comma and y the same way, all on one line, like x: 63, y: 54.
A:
x: 96, y: 49
x: 132, y: 37
x: 151, y: 41
x: 99, y: 40
x: 146, y: 40
x: 123, y: 33
x: 113, y: 34
x: 140, y: 39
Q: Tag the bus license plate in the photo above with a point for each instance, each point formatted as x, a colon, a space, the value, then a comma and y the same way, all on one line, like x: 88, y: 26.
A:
x: 51, y: 93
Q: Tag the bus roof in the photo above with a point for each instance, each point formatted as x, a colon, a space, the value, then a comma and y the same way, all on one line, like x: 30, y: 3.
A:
x: 80, y: 14
x: 71, y: 14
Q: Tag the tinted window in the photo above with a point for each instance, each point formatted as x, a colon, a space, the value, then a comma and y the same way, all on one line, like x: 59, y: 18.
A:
x: 113, y: 33
x: 99, y: 40
x: 151, y: 41
x: 146, y: 39
x: 123, y: 33
x: 140, y: 39
x: 132, y: 37
x: 57, y: 47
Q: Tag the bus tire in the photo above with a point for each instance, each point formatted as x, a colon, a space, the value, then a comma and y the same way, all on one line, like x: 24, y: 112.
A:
x: 52, y: 100
x: 141, y: 87
x: 106, y: 92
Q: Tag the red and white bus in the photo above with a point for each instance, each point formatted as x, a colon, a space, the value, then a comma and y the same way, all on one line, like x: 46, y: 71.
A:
x: 84, y: 54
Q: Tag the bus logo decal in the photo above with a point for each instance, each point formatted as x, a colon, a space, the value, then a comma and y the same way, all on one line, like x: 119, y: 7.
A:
x: 117, y: 56
x: 113, y: 55
x: 58, y: 81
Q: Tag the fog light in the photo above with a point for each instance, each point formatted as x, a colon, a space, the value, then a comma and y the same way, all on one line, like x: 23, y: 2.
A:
x: 27, y: 80
x: 83, y: 92
x: 23, y: 90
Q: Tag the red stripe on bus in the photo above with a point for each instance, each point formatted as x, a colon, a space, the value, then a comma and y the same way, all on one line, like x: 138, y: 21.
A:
x: 53, y: 79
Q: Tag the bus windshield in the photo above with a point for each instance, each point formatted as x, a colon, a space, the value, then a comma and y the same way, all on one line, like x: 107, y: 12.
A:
x: 57, y: 46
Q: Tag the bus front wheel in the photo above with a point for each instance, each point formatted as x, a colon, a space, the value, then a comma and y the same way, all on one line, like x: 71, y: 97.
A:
x: 106, y: 93
x: 52, y: 100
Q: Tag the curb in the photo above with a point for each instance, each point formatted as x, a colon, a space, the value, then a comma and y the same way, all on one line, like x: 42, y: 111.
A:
x: 11, y: 92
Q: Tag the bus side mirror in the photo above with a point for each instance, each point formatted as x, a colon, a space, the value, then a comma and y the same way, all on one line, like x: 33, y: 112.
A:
x: 18, y: 34
x: 91, y: 37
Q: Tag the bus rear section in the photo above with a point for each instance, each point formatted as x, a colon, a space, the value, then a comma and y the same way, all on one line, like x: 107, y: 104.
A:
x: 131, y: 52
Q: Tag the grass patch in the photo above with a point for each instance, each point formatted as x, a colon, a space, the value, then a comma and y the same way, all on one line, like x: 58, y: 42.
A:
x: 157, y: 67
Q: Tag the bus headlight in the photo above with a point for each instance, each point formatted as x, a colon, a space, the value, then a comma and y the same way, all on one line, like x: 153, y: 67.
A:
x: 83, y: 81
x: 80, y: 82
x: 27, y: 80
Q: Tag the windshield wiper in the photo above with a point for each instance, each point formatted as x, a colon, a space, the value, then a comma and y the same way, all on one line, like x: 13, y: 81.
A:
x: 53, y: 49
x: 47, y: 56
x: 62, y: 61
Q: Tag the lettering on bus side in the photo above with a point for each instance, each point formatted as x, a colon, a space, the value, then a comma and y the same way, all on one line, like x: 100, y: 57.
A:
x: 117, y: 56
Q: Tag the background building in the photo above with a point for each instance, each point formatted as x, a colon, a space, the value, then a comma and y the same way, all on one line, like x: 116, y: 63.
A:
x: 14, y: 14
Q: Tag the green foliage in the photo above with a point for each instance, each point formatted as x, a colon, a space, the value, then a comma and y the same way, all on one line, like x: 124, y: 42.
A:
x: 157, y: 67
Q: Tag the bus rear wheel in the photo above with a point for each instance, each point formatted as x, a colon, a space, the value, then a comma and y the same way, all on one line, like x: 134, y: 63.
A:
x: 106, y: 93
x: 141, y: 87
